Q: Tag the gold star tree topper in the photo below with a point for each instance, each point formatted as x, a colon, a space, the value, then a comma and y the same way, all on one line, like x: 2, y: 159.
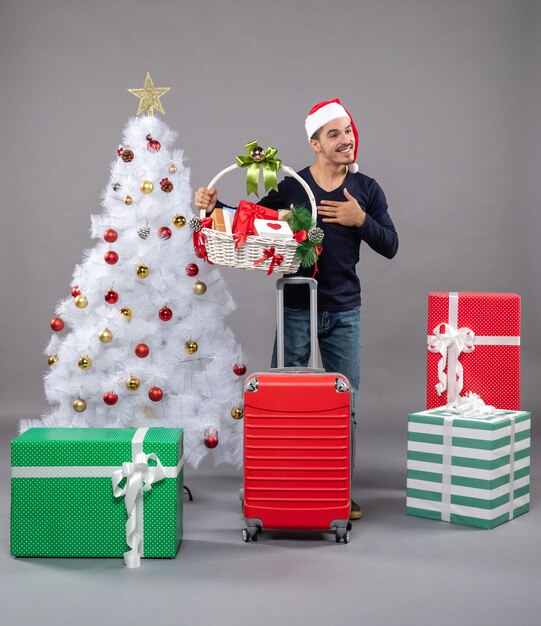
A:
x: 149, y: 97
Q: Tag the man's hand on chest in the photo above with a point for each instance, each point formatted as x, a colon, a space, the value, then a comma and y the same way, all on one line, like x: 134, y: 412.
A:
x: 347, y: 213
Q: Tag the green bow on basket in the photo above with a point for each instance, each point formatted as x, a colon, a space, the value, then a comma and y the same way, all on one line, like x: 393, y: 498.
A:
x: 258, y: 158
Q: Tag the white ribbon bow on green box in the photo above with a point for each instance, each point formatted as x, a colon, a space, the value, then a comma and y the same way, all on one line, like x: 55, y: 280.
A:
x: 83, y: 518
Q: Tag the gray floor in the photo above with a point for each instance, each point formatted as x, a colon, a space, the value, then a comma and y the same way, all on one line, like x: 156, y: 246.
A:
x: 396, y: 570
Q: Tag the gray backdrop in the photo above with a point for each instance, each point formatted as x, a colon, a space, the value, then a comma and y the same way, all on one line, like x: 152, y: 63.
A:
x: 445, y: 95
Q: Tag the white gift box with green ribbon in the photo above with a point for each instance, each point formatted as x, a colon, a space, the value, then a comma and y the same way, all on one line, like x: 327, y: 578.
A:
x: 468, y: 470
x: 94, y: 492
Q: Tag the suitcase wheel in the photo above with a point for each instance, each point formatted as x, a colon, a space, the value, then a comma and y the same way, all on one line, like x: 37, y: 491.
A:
x: 343, y: 533
x: 250, y: 533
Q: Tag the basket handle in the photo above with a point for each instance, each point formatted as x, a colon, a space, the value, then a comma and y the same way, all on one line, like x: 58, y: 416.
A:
x: 286, y: 169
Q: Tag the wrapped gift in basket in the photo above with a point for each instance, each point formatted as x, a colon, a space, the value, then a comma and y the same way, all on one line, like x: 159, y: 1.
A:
x: 248, y: 247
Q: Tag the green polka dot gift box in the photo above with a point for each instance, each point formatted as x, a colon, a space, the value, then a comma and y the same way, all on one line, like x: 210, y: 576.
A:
x: 468, y: 470
x: 97, y: 492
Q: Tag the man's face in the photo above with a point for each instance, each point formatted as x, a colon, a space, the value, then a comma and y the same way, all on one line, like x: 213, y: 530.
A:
x: 336, y: 143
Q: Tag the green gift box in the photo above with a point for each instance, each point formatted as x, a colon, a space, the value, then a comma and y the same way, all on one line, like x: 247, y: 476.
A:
x: 468, y: 470
x: 94, y: 492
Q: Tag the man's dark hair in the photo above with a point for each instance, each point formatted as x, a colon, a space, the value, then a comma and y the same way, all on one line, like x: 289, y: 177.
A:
x: 316, y: 135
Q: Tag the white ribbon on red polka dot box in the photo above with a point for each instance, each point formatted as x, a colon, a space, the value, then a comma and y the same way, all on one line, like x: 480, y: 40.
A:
x: 62, y: 503
x: 473, y: 343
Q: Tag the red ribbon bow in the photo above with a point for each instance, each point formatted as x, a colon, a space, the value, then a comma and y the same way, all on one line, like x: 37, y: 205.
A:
x: 300, y: 235
x: 199, y: 239
x: 270, y: 253
x: 318, y: 249
x: 245, y: 215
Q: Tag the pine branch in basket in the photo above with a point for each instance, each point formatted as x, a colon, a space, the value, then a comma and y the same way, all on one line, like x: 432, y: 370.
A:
x: 306, y: 253
x: 299, y: 219
x: 309, y: 248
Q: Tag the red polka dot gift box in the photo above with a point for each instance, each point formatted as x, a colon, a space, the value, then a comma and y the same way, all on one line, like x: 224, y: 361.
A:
x: 97, y: 492
x: 473, y: 345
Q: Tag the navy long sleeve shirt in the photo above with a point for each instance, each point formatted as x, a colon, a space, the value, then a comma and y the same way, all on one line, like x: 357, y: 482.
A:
x: 339, y: 288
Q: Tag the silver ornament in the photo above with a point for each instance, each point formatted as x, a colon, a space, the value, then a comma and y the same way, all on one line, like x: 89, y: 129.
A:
x: 195, y: 224
x: 316, y: 234
x: 144, y: 232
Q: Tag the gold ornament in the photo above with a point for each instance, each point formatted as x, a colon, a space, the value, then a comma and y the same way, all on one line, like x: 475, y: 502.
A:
x: 179, y: 221
x: 199, y: 288
x: 81, y: 301
x: 105, y: 335
x: 191, y: 346
x: 128, y: 200
x: 172, y: 168
x: 237, y: 413
x: 79, y: 405
x: 52, y: 359
x: 142, y: 271
x: 133, y: 383
x: 126, y: 312
x: 85, y: 362
x: 146, y: 186
x: 258, y: 154
x: 149, y: 97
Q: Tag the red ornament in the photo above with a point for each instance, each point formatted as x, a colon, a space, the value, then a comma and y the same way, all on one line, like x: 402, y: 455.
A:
x: 155, y: 394
x: 164, y: 232
x: 165, y: 314
x: 110, y: 398
x: 110, y: 235
x: 211, y: 438
x: 75, y: 291
x: 192, y: 269
x: 111, y: 257
x: 142, y: 350
x: 110, y: 296
x: 57, y: 324
x: 154, y: 145
x: 239, y: 369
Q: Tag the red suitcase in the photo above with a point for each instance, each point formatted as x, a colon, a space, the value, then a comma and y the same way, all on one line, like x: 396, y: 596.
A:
x: 297, y: 441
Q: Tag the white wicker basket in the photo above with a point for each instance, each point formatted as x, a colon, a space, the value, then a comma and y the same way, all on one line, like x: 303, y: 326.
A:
x: 220, y: 246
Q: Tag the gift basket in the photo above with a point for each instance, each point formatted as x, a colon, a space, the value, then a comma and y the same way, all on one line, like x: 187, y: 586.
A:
x: 242, y: 248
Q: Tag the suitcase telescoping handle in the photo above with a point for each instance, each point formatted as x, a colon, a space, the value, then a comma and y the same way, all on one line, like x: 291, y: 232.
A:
x: 312, y: 284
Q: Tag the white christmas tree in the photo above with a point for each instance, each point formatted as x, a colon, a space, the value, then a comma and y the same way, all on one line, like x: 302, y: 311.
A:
x: 142, y: 339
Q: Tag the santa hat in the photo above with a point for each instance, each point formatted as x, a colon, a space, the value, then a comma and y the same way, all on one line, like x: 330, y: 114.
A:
x: 327, y: 111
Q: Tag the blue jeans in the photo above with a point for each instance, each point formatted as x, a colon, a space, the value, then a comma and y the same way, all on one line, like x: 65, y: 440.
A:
x: 339, y: 335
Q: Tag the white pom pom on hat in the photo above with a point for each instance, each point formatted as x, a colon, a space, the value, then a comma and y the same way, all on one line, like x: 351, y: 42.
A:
x: 327, y: 111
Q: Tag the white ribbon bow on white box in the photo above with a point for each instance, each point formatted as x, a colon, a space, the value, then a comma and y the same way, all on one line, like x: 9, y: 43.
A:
x: 471, y: 405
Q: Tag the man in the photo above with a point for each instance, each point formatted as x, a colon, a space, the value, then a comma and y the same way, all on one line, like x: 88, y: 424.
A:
x: 351, y: 209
